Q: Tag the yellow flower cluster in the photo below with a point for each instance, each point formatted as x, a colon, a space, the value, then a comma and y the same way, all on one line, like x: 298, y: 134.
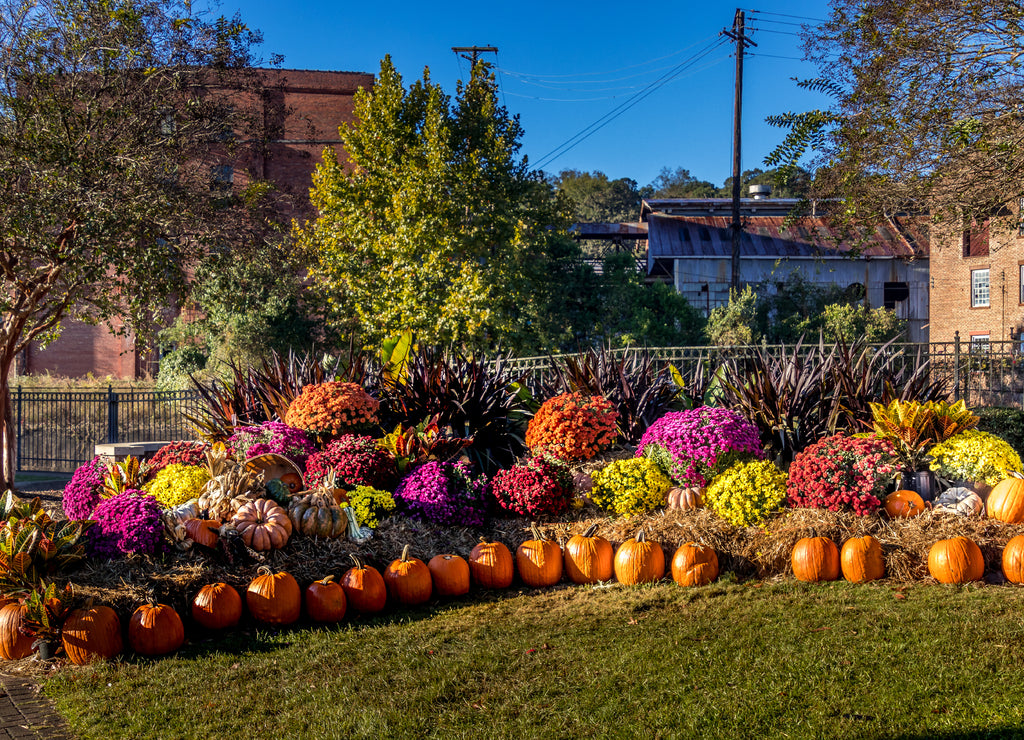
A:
x: 747, y: 493
x: 332, y: 408
x: 177, y: 484
x: 630, y: 486
x: 370, y: 505
x: 974, y: 456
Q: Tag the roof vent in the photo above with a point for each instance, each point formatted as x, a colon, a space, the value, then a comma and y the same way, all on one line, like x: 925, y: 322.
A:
x: 760, y: 192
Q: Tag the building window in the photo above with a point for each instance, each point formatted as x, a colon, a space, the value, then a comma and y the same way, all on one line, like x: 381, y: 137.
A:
x: 1021, y: 269
x: 979, y: 288
x: 974, y: 240
x: 1020, y: 219
x: 222, y: 177
x: 893, y: 293
x: 979, y: 342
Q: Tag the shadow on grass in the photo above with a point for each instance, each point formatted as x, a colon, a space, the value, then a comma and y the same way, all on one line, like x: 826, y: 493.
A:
x: 987, y: 733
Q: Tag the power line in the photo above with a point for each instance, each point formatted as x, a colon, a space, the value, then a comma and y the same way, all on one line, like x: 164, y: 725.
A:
x: 607, y: 118
x: 781, y: 33
x: 551, y: 84
x: 787, y: 15
x: 777, y: 56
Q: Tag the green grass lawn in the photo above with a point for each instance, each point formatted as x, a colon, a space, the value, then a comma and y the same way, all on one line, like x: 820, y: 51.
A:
x: 732, y: 660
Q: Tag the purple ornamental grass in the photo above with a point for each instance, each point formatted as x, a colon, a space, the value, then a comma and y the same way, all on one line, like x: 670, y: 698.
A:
x: 129, y: 522
x: 693, y: 445
x: 82, y: 493
x: 272, y: 437
x: 444, y: 493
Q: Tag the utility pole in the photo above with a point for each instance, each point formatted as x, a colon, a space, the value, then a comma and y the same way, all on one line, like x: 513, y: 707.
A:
x: 737, y: 34
x: 475, y: 51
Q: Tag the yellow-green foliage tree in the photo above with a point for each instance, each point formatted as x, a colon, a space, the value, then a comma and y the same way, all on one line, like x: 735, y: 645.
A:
x: 437, y: 224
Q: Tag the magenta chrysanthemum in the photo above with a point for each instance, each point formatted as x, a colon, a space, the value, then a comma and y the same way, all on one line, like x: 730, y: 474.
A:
x: 445, y: 493
x: 356, y: 460
x: 82, y: 493
x: 272, y: 437
x: 536, y: 488
x: 129, y: 522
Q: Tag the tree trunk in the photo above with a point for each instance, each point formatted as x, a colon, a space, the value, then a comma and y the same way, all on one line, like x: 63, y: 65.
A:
x: 7, y: 431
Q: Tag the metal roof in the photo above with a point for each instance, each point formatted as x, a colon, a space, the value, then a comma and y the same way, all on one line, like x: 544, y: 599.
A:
x: 770, y: 236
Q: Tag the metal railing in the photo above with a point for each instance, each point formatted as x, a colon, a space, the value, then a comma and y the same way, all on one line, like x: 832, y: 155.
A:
x: 58, y: 430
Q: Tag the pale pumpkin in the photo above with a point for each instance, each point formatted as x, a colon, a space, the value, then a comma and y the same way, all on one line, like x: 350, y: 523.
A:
x: 686, y: 499
x: 263, y: 525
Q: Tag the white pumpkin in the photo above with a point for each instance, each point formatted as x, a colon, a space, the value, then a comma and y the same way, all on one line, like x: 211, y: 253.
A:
x: 959, y: 500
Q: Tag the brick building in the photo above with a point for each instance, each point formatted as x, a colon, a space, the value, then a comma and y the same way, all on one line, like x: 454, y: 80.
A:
x: 307, y: 106
x: 977, y: 283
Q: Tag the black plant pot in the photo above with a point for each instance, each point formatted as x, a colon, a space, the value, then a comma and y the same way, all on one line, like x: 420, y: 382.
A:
x: 921, y: 482
x: 46, y: 649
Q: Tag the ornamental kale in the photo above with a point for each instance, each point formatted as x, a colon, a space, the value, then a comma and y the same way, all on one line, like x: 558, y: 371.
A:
x: 695, y: 445
x: 129, y: 522
x: 445, y: 493
x: 841, y: 472
x: 272, y: 437
x: 539, y: 487
x: 82, y: 493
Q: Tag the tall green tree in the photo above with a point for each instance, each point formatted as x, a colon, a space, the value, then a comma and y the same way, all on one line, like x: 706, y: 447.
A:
x: 110, y: 121
x: 437, y: 224
x: 928, y: 98
x: 597, y: 199
x: 679, y: 183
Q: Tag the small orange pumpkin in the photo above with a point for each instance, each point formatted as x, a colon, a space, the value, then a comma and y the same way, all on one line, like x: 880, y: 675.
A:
x: 639, y: 561
x: 539, y: 561
x: 364, y: 588
x: 490, y: 565
x: 815, y: 559
x: 263, y: 525
x: 203, y: 531
x: 1006, y: 501
x: 861, y: 559
x: 904, y: 503
x: 325, y: 600
x: 217, y: 606
x: 155, y: 629
x: 1013, y: 560
x: 14, y: 644
x: 449, y: 574
x: 694, y: 565
x: 408, y: 580
x: 293, y: 481
x: 956, y: 560
x: 274, y: 598
x: 91, y: 633
x: 686, y: 499
x: 589, y: 558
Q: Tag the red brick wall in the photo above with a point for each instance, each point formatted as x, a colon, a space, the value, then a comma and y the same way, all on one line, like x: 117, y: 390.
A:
x: 316, y: 103
x: 950, y: 304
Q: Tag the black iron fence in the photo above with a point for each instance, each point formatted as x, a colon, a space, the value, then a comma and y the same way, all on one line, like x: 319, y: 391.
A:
x: 58, y: 430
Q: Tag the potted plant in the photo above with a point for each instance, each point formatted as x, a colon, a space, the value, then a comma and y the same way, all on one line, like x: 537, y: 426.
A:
x: 46, y: 606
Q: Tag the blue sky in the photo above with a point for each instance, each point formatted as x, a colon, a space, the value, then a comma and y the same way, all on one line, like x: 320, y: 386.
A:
x: 563, y: 66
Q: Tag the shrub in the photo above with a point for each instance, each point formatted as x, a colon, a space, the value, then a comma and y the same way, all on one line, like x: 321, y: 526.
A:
x: 539, y: 487
x: 572, y: 427
x: 82, y: 493
x: 746, y: 493
x: 176, y: 484
x: 842, y: 473
x: 1008, y: 423
x: 630, y: 486
x: 331, y: 408
x: 445, y: 493
x: 129, y: 522
x: 974, y: 456
x: 272, y: 437
x: 693, y: 446
x: 370, y: 505
x: 355, y: 460
x: 178, y: 453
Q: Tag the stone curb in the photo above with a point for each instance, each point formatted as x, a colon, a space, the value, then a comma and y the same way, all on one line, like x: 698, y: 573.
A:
x: 28, y: 715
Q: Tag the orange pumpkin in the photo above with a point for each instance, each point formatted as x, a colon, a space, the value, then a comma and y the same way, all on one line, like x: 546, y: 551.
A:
x: 904, y: 503
x: 589, y: 558
x: 539, y: 561
x: 274, y: 598
x: 639, y: 561
x: 490, y: 565
x: 956, y: 560
x: 408, y: 580
x: 325, y: 600
x: 217, y: 606
x: 1013, y: 560
x: 449, y: 574
x: 91, y: 633
x: 202, y: 531
x: 14, y: 645
x: 1006, y: 501
x: 293, y: 481
x: 694, y: 565
x: 155, y: 629
x: 861, y: 559
x: 815, y: 559
x: 364, y: 588
x: 263, y: 525
x: 686, y: 499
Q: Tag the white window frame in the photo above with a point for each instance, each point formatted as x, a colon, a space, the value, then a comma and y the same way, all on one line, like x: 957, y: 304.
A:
x: 980, y: 288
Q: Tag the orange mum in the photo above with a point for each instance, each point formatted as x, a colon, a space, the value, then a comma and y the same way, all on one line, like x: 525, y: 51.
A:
x: 332, y: 408
x: 572, y: 427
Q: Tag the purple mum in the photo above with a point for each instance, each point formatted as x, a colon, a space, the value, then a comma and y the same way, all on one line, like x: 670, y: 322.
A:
x: 82, y: 493
x: 445, y: 493
x: 693, y: 446
x: 129, y: 522
x: 272, y: 437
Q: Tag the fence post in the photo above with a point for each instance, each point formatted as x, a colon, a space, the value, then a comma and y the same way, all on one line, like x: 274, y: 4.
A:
x: 17, y: 433
x: 956, y: 365
x: 111, y: 415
